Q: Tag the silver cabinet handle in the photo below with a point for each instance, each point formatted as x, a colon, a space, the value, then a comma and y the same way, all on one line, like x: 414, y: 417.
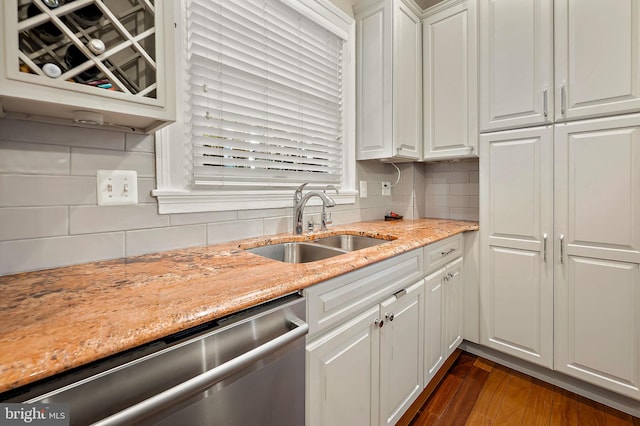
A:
x: 444, y: 253
x: 563, y: 99
x: 389, y: 316
x: 545, y: 102
x: 544, y: 247
x: 398, y: 294
x: 561, y: 248
x: 378, y: 322
x: 205, y: 380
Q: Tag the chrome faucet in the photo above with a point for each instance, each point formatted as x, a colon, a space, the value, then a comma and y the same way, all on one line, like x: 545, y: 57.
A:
x: 300, y: 201
x: 325, y: 218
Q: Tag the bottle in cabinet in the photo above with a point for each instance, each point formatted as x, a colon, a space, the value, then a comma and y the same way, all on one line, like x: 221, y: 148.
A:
x: 134, y: 55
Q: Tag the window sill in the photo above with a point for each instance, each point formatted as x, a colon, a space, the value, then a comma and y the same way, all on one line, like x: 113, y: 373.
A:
x: 183, y: 201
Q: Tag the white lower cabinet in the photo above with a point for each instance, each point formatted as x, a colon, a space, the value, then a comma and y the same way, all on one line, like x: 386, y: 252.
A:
x: 343, y: 374
x: 444, y: 316
x: 433, y: 338
x: 401, y: 352
x: 366, y: 350
x: 452, y: 306
x: 369, y: 371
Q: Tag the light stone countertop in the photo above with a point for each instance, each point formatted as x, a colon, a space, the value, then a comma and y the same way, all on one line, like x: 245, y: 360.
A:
x: 57, y: 319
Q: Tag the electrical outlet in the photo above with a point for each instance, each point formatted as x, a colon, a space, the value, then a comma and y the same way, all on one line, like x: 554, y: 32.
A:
x: 363, y: 189
x: 117, y: 187
x: 386, y: 188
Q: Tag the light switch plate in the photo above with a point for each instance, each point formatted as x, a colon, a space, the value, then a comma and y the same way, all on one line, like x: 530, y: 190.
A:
x: 386, y: 188
x: 363, y: 189
x: 117, y: 187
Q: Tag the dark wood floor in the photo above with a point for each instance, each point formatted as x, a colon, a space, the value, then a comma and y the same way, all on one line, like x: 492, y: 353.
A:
x: 479, y: 392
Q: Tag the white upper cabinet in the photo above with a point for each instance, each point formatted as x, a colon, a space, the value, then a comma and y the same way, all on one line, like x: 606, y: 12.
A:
x: 516, y: 63
x: 450, y: 80
x: 389, y: 80
x: 597, y: 58
x: 543, y: 61
x: 105, y: 62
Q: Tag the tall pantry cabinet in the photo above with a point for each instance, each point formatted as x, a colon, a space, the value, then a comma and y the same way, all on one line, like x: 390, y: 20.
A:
x: 560, y: 203
x: 597, y: 227
x: 516, y: 217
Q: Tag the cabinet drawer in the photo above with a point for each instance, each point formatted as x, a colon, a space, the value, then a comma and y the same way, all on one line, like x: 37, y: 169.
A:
x: 334, y: 301
x: 438, y: 254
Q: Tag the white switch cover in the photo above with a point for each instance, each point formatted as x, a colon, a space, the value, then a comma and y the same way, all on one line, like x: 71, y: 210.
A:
x: 363, y: 189
x: 386, y: 188
x: 117, y: 187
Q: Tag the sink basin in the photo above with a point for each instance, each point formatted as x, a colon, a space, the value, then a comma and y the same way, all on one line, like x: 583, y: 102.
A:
x: 349, y: 242
x: 297, y: 252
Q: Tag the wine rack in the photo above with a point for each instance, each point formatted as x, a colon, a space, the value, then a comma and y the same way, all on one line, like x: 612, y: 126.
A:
x: 108, y: 49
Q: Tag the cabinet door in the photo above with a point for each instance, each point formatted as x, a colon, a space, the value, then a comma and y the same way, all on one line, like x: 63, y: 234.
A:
x: 453, y: 299
x: 433, y: 333
x: 407, y: 83
x: 388, y: 86
x: 343, y: 374
x: 401, y: 356
x: 450, y: 82
x: 597, y: 58
x: 516, y: 63
x: 597, y: 314
x: 516, y: 212
x: 374, y: 81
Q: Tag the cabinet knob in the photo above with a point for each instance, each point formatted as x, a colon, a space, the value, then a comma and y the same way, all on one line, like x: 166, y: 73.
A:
x: 389, y: 316
x: 379, y: 322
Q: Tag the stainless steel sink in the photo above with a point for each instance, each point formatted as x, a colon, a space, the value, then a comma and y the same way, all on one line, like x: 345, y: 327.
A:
x: 349, y: 242
x: 319, y: 249
x: 297, y: 252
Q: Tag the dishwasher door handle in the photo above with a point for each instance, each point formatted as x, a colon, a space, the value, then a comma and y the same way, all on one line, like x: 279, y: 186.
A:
x: 205, y: 380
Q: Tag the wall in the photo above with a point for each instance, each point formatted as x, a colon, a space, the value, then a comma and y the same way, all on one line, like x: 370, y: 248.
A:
x: 49, y: 214
x: 451, y: 189
x: 48, y: 204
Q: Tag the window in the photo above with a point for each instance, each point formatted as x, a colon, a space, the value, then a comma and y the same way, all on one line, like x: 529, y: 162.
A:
x: 267, y: 92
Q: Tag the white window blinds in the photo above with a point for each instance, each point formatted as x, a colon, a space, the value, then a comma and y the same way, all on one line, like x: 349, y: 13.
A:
x: 265, y: 95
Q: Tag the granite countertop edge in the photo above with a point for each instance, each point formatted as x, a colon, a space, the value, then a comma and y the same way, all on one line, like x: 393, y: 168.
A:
x: 55, y: 320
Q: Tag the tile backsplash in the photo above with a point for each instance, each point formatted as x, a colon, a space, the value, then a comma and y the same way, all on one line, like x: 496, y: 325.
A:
x: 48, y: 203
x: 49, y: 214
x: 452, y: 189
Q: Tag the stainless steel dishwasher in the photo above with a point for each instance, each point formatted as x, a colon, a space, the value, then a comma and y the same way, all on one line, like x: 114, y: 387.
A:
x: 246, y: 369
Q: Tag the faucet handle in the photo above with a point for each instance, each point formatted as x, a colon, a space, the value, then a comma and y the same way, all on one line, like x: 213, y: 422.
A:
x: 297, y: 196
x: 330, y: 187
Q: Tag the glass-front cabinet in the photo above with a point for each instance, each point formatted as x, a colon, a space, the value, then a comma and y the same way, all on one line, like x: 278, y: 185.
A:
x: 100, y: 62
